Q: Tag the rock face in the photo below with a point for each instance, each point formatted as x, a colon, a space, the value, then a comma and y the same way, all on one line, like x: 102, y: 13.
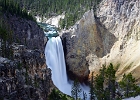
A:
x: 85, y: 38
x: 26, y: 32
x: 112, y: 36
x: 122, y: 18
x: 54, y: 20
x: 26, y: 77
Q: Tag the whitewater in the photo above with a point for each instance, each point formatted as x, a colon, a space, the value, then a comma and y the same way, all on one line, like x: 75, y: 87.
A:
x: 56, y: 62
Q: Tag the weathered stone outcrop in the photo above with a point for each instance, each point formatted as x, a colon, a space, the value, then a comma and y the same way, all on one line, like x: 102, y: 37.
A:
x: 26, y: 32
x: 86, y: 37
x: 112, y: 36
x: 26, y: 77
x: 122, y: 18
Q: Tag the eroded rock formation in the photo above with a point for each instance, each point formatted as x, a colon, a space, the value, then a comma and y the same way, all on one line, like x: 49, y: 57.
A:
x: 122, y: 18
x: 26, y: 32
x: 86, y: 37
x: 25, y: 77
x: 110, y: 37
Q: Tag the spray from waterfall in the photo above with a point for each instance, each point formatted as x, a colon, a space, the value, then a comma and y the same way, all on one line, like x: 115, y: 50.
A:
x: 55, y: 61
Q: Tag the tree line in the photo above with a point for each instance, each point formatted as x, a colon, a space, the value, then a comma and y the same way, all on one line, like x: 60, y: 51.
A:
x: 13, y: 7
x: 6, y: 39
x: 73, y: 9
x: 6, y: 34
x: 9, y: 7
x: 103, y: 86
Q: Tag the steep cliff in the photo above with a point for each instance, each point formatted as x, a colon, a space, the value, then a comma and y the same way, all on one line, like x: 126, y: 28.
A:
x: 26, y: 32
x: 85, y: 38
x: 122, y: 18
x: 110, y: 37
x: 24, y: 75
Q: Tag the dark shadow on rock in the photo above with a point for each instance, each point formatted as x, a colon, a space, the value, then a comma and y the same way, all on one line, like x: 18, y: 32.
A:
x: 108, y: 38
x: 82, y: 79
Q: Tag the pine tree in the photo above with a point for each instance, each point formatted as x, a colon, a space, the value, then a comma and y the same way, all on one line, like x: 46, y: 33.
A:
x: 76, y: 90
x: 84, y: 96
x: 5, y: 39
x: 92, y: 89
x: 76, y: 8
x: 99, y: 84
x: 55, y: 95
x: 128, y: 85
x: 110, y: 78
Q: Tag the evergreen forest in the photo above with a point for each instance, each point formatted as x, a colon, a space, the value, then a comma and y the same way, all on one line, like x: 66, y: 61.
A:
x: 6, y: 33
x: 73, y: 9
x: 103, y: 86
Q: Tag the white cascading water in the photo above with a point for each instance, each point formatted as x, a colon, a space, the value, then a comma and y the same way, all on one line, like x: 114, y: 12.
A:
x: 55, y: 61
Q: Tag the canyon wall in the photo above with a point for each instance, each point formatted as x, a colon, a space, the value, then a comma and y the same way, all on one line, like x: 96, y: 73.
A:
x: 122, y: 18
x: 26, y: 32
x: 110, y: 36
x: 25, y: 75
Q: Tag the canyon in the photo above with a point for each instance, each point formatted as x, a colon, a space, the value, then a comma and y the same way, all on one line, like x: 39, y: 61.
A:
x: 109, y: 35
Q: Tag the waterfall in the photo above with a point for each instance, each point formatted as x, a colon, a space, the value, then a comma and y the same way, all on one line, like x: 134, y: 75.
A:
x: 55, y: 61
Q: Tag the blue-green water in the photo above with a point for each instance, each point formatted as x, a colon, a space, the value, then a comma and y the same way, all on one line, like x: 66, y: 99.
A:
x: 49, y: 30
